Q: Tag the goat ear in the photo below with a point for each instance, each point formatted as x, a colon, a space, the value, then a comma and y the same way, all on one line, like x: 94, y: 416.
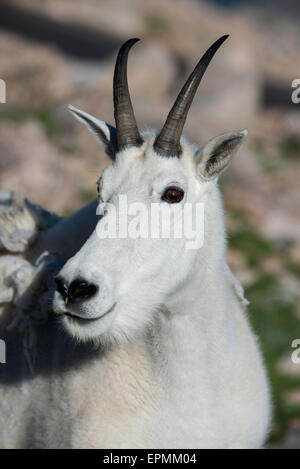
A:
x: 215, y: 156
x: 105, y: 134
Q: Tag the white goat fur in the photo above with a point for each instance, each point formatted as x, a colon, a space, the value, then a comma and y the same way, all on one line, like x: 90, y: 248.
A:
x: 176, y: 365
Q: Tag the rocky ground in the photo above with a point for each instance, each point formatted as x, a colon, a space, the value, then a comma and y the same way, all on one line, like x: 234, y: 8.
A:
x: 56, y: 52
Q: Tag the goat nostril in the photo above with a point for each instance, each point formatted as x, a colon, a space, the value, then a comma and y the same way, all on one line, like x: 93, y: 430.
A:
x: 80, y: 290
x: 61, y: 287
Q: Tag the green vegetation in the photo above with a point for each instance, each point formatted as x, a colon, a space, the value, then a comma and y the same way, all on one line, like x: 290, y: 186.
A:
x: 87, y: 194
x: 272, y: 312
x: 255, y: 247
x: 290, y: 147
x: 155, y: 23
x: 43, y: 116
x: 272, y: 157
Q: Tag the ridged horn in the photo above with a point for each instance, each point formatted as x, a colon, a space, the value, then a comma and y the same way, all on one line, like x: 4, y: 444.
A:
x: 167, y: 143
x: 127, y: 130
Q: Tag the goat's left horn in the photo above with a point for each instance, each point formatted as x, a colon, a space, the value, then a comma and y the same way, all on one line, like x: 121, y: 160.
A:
x: 127, y: 130
x: 167, y: 142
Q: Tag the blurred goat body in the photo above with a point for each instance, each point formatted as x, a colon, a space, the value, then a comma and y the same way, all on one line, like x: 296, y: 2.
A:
x: 173, y: 362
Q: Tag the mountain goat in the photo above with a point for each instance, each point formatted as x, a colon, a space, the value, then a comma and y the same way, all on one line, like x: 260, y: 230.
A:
x: 163, y: 355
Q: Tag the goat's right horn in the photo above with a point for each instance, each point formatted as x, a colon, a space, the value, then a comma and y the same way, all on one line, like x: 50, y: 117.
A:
x: 167, y: 142
x: 127, y: 130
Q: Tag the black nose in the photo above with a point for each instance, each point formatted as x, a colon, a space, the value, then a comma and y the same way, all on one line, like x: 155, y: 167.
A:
x: 78, y: 290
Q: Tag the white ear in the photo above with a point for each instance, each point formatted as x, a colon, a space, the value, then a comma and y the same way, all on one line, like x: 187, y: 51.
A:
x: 216, y: 154
x: 105, y: 134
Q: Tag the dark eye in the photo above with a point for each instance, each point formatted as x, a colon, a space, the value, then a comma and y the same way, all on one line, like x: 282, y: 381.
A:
x: 173, y: 195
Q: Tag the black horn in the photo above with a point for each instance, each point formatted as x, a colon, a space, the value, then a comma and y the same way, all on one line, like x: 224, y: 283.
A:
x: 127, y: 130
x: 167, y: 142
